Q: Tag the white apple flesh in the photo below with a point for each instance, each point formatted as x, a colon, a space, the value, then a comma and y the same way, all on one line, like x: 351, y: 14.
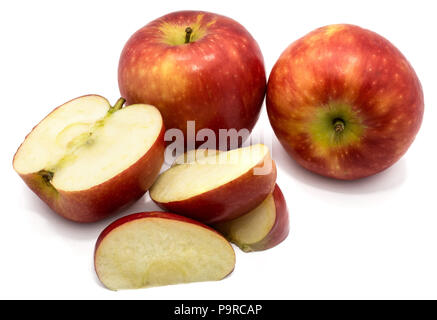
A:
x: 157, y: 248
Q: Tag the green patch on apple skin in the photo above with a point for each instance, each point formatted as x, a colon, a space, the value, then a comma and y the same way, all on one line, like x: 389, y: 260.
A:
x: 336, y: 125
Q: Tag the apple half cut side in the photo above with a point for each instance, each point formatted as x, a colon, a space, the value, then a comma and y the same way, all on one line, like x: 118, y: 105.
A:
x: 87, y: 159
x: 221, y: 187
x: 261, y: 228
x: 157, y: 248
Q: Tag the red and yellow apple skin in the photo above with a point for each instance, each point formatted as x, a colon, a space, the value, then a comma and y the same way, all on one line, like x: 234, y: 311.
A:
x: 280, y: 229
x: 217, y: 80
x: 228, y: 201
x: 278, y: 232
x: 344, y: 102
x: 104, y: 199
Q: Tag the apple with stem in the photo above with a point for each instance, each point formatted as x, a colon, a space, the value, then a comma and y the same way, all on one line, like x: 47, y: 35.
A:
x: 87, y: 159
x: 195, y: 66
x: 344, y: 102
x: 157, y: 248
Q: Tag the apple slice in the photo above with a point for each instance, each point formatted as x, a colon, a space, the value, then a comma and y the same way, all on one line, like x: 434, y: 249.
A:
x: 221, y: 187
x: 261, y: 228
x: 87, y: 159
x: 196, y: 155
x: 157, y: 248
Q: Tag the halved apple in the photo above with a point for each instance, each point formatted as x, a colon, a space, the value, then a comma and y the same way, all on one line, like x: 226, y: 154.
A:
x: 261, y: 228
x: 86, y: 159
x: 221, y: 187
x: 158, y: 248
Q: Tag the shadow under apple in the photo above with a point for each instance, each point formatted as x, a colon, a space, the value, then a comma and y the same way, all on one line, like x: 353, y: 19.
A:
x: 82, y: 231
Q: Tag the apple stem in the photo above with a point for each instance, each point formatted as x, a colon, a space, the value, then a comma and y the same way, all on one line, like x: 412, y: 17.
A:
x: 117, y: 106
x: 188, y: 32
x: 338, y: 125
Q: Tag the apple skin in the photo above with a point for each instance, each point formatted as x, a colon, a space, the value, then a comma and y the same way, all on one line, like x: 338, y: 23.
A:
x: 218, y: 80
x: 280, y: 229
x: 100, y: 201
x: 228, y: 201
x: 143, y: 215
x: 278, y: 232
x: 357, y: 73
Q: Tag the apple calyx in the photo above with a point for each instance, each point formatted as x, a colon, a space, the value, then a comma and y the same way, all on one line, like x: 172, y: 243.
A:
x: 188, y: 32
x: 46, y: 175
x: 338, y: 124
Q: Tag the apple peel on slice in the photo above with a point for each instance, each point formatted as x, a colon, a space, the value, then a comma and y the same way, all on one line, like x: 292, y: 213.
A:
x: 262, y: 228
x: 220, y: 187
x: 157, y: 248
x: 87, y: 159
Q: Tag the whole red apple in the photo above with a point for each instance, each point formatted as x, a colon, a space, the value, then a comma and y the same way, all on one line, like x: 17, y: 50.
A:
x: 195, y: 66
x: 344, y: 102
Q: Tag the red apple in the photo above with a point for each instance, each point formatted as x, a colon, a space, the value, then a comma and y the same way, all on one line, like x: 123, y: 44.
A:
x: 158, y: 248
x: 219, y: 187
x: 87, y: 159
x: 344, y: 102
x: 195, y: 66
x: 261, y: 228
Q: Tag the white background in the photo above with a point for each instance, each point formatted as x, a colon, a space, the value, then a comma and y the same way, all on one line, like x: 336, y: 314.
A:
x: 373, y: 238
